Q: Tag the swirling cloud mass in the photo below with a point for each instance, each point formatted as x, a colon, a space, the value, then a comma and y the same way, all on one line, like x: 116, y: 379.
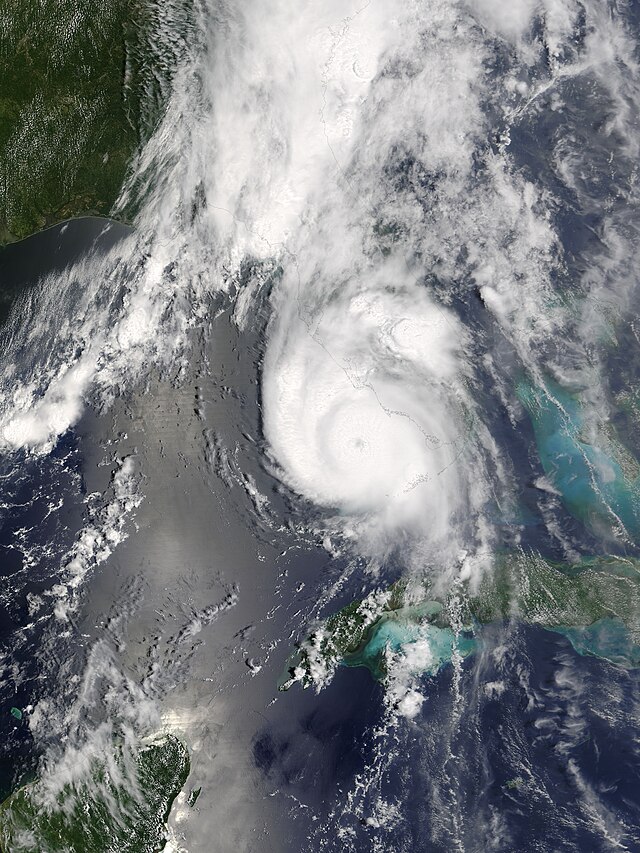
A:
x: 380, y: 296
x: 358, y: 158
x: 364, y: 409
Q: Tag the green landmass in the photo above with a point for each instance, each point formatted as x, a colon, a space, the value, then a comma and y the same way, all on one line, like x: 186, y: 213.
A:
x: 119, y: 806
x: 349, y: 636
x: 82, y: 85
x: 550, y: 594
x: 595, y: 604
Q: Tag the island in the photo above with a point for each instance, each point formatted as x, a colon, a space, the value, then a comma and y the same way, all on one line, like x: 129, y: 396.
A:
x: 594, y: 603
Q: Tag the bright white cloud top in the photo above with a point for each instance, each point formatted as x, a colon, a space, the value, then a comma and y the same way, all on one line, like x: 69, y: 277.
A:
x: 362, y: 406
x: 355, y: 156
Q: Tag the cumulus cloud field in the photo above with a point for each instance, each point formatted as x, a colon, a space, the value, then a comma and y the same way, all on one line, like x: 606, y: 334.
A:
x: 358, y: 156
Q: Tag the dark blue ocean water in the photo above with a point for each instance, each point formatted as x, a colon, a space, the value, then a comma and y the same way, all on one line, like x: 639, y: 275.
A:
x: 529, y: 746
x: 42, y: 509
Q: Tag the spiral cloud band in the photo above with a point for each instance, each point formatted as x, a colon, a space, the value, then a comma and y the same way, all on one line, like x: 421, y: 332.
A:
x: 360, y: 408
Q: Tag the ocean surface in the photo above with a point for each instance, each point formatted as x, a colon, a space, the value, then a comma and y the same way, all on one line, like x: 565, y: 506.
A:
x: 375, y: 327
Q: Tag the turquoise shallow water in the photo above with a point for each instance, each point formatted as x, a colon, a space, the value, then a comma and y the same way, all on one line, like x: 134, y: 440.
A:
x: 591, y: 481
x: 397, y: 631
x: 394, y: 634
x: 607, y: 638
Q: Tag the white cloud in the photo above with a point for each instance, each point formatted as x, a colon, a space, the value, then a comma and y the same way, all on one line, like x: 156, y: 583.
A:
x: 362, y: 411
x: 345, y: 145
x: 510, y: 19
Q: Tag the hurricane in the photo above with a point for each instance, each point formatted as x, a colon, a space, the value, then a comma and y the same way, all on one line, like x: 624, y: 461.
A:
x: 319, y: 398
